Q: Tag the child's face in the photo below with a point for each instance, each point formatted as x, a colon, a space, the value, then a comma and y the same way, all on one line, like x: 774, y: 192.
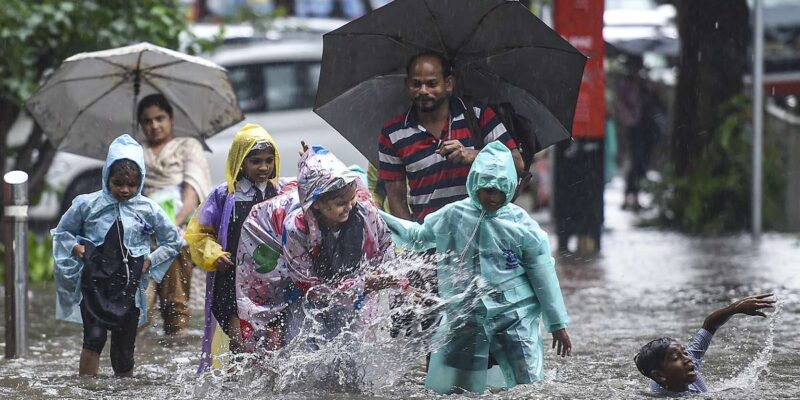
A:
x: 259, y: 165
x: 491, y: 199
x: 677, y: 371
x: 337, y: 210
x: 124, y: 185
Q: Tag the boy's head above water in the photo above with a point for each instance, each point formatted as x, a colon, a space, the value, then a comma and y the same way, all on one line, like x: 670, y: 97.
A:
x: 259, y: 164
x: 124, y: 179
x: 667, y: 362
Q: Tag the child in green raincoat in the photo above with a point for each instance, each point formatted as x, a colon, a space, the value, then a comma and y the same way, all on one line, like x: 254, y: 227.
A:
x: 498, y: 278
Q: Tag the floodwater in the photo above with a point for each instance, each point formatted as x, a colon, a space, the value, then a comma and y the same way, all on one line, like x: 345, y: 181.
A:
x: 645, y: 284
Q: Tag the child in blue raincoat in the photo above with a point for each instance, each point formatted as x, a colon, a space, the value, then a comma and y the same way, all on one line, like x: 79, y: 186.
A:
x: 498, y: 278
x: 103, y: 260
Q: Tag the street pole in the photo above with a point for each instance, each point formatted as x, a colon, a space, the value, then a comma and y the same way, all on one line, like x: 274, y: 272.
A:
x: 15, y: 239
x: 758, y: 113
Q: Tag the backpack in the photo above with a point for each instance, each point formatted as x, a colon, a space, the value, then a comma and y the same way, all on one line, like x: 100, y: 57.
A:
x: 520, y: 129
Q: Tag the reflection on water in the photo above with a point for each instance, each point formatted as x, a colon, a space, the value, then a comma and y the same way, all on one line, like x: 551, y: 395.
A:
x: 645, y: 284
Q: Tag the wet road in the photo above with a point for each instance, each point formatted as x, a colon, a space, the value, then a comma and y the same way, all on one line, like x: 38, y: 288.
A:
x: 645, y: 284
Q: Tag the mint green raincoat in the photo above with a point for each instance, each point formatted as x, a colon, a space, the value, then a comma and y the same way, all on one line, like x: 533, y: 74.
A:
x: 510, y: 254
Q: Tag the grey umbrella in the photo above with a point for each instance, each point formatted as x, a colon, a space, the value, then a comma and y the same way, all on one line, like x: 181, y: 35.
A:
x: 500, y: 50
x: 92, y: 97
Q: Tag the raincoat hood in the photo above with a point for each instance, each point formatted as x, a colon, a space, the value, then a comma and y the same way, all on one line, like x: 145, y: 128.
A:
x: 492, y: 168
x: 243, y: 142
x: 319, y: 171
x: 124, y: 147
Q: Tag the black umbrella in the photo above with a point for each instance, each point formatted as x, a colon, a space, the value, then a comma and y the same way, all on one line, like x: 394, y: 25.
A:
x: 501, y: 52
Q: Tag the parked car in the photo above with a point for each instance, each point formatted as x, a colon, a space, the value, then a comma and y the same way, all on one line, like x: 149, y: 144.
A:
x: 275, y: 81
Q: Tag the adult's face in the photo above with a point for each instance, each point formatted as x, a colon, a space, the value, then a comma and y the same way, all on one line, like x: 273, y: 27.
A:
x: 426, y: 84
x: 156, y: 124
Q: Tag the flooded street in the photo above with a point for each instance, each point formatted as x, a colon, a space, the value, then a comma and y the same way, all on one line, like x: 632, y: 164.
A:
x: 645, y: 284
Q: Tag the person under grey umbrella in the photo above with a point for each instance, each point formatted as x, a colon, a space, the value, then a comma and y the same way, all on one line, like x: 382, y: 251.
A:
x: 178, y: 177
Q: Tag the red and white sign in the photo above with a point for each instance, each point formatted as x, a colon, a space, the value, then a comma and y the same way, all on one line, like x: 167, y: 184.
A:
x: 580, y: 22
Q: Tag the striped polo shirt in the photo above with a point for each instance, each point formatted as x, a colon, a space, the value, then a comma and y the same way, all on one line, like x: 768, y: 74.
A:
x: 407, y: 151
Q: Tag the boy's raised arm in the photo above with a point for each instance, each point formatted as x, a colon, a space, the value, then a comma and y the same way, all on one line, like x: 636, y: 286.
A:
x: 749, y: 305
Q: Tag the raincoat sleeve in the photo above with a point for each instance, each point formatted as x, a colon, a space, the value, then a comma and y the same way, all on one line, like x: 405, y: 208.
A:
x: 68, y: 267
x: 201, y: 234
x: 260, y: 276
x: 168, y: 241
x: 411, y: 235
x: 540, y: 269
x: 297, y: 253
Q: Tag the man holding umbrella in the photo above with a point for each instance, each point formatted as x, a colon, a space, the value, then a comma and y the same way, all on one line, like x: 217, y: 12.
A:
x: 431, y: 145
x: 430, y: 149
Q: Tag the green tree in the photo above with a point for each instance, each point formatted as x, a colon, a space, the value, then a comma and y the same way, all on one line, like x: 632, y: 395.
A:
x: 706, y: 190
x: 36, y: 36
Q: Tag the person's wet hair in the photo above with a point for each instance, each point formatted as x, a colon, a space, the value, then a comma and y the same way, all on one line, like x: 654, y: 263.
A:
x: 263, y: 145
x: 333, y: 194
x: 157, y: 100
x: 447, y: 67
x: 124, y: 167
x: 651, y: 355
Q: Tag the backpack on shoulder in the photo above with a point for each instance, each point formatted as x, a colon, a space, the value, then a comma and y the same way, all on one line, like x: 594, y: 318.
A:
x: 520, y: 129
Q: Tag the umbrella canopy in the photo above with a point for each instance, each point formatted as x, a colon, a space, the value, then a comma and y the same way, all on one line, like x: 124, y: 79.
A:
x: 92, y: 97
x: 501, y: 52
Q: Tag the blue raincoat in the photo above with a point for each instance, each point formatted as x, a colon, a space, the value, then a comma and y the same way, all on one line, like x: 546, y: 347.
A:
x: 92, y: 215
x: 510, y: 255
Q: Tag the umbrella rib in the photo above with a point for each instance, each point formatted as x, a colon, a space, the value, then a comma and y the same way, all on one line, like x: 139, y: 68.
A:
x: 506, y: 81
x: 390, y: 37
x: 47, y: 88
x: 510, y: 49
x: 175, y: 104
x: 213, y: 88
x: 477, y: 26
x: 438, y: 30
x: 109, y: 62
x: 164, y: 65
x: 78, y: 115
x: 184, y: 81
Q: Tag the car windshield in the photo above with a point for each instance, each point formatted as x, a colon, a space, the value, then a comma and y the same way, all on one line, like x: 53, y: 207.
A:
x: 275, y: 86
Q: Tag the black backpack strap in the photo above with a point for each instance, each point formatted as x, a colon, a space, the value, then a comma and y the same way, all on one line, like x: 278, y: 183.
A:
x: 472, y: 124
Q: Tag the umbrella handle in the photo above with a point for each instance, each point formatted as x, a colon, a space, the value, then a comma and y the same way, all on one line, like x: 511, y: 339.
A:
x: 136, y: 88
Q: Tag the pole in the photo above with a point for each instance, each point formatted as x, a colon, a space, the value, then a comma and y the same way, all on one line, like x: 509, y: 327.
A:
x: 758, y: 113
x: 15, y: 238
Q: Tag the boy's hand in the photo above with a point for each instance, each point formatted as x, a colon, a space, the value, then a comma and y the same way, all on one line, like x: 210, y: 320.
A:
x: 752, y: 304
x: 79, y: 250
x: 146, y: 265
x: 223, y: 263
x: 303, y: 148
x: 749, y: 306
x: 564, y: 343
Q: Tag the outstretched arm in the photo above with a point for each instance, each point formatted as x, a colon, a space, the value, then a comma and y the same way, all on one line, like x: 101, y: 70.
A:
x: 749, y: 305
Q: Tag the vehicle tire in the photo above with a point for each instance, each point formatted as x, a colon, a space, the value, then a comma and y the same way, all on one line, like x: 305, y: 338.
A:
x: 87, y: 182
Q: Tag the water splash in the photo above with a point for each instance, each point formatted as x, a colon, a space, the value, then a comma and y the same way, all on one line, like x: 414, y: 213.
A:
x: 750, y: 374
x: 335, y: 350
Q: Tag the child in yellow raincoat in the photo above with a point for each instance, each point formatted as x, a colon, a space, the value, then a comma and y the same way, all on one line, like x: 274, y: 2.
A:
x: 252, y: 175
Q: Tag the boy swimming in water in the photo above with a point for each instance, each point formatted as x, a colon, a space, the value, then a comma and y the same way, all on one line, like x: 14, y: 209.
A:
x: 674, y: 369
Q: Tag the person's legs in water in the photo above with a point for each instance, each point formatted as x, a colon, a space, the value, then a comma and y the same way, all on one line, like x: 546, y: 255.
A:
x: 173, y: 292
x: 122, y: 345
x: 94, y: 339
x: 641, y: 144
